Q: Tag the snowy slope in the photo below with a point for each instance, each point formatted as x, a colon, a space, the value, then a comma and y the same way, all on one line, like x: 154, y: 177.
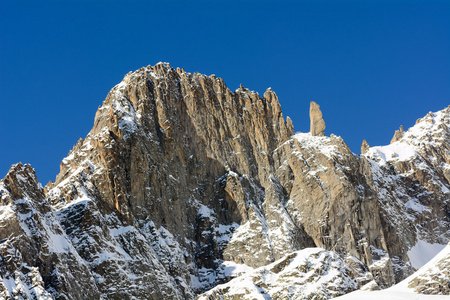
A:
x: 433, y: 278
x: 411, y: 177
x: 311, y: 272
x: 390, y: 295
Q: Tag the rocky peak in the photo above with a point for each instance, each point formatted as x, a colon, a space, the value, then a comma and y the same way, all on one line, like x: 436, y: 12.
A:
x: 182, y: 158
x: 21, y: 182
x: 317, y: 122
x: 397, y: 135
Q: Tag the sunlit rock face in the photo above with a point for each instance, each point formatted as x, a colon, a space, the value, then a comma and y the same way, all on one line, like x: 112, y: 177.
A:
x: 317, y: 127
x: 183, y: 185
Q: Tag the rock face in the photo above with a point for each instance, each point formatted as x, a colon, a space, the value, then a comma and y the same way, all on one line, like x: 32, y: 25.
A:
x: 317, y: 122
x: 177, y: 162
x: 180, y: 178
x: 38, y: 260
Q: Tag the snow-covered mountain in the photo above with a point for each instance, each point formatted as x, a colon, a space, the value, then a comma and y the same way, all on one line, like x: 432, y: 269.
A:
x: 184, y: 189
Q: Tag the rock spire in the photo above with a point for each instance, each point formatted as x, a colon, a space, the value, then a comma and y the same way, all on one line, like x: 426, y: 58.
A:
x: 317, y: 122
x: 364, y: 146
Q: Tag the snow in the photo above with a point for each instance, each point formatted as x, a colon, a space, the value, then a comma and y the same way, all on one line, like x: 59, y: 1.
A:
x: 390, y: 295
x: 429, y: 130
x: 232, y: 269
x: 58, y: 243
x: 9, y: 284
x: 300, y: 275
x: 414, y: 204
x: 318, y: 143
x: 83, y: 201
x: 81, y: 168
x: 397, y: 151
x: 205, y: 212
x: 401, y: 291
x: 121, y: 230
x: 423, y: 252
x: 6, y: 212
x: 67, y: 159
x: 28, y: 286
x: 429, y: 268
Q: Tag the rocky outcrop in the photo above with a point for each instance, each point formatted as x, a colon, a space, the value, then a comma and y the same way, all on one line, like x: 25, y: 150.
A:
x: 38, y: 261
x: 397, y: 135
x: 317, y: 122
x: 427, y: 283
x: 332, y: 199
x: 364, y: 146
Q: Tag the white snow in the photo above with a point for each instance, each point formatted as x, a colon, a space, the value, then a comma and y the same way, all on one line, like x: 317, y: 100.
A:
x: 389, y: 295
x: 232, y: 269
x: 301, y: 275
x: 414, y: 204
x: 121, y: 230
x: 401, y: 291
x: 205, y: 212
x: 397, y: 151
x: 317, y: 143
x: 428, y: 130
x: 6, y: 212
x: 77, y: 201
x: 423, y: 252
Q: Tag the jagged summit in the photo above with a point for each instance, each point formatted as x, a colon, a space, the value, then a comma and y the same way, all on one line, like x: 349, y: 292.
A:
x: 183, y: 185
x: 429, y: 136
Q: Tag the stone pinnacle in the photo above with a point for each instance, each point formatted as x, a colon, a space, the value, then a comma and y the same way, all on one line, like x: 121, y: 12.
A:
x: 317, y: 122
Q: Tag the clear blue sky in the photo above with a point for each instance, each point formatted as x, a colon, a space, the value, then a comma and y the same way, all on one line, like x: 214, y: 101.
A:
x: 371, y: 65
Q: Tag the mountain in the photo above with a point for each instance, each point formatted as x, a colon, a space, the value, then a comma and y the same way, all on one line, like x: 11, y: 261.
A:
x: 184, y: 189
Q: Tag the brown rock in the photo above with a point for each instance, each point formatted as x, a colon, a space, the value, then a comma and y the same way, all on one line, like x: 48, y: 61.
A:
x: 317, y: 122
x: 397, y: 135
x: 364, y: 146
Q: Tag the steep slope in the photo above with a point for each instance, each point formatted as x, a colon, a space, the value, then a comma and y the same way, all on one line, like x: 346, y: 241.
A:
x: 431, y: 279
x: 183, y: 185
x: 411, y: 177
x: 311, y: 273
x: 180, y: 160
x: 38, y: 261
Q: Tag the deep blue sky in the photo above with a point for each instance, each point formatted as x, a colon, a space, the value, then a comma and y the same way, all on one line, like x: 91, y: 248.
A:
x: 371, y: 65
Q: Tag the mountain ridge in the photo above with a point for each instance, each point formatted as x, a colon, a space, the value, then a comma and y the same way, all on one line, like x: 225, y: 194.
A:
x: 180, y: 178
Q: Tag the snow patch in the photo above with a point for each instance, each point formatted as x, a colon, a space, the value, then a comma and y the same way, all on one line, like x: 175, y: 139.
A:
x: 423, y: 252
x: 394, y: 152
